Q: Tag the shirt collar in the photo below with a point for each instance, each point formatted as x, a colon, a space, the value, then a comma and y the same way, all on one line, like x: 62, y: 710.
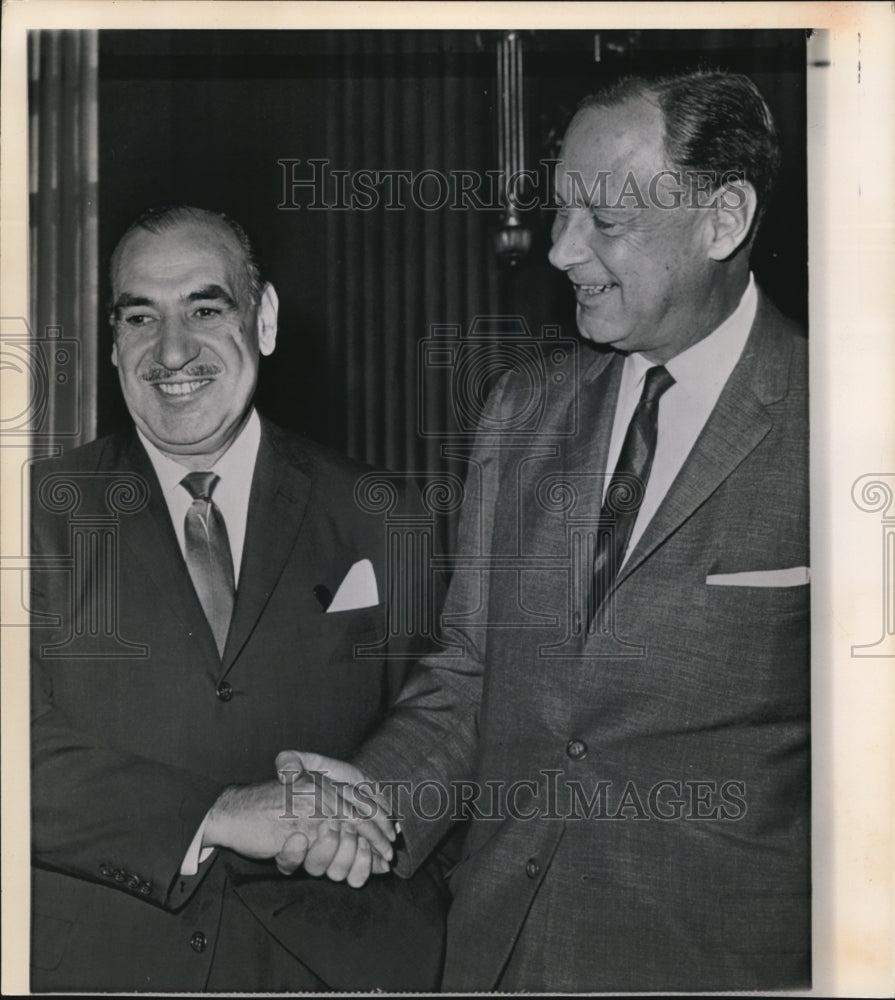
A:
x: 709, y: 362
x: 232, y: 464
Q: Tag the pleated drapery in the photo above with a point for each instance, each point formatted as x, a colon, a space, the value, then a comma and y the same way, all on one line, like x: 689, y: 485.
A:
x: 395, y: 274
x: 63, y: 137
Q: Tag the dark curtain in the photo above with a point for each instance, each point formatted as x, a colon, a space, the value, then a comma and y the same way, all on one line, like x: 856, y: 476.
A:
x: 209, y: 118
x: 63, y: 121
x: 206, y: 118
x: 394, y: 274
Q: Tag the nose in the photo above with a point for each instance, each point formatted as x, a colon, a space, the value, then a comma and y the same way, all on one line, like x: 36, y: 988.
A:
x: 570, y: 239
x: 176, y: 347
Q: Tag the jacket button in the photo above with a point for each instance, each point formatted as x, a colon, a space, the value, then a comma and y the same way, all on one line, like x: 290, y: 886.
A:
x: 224, y: 691
x: 106, y: 870
x: 145, y: 888
x: 133, y: 882
x: 532, y: 868
x: 576, y: 749
x: 198, y: 942
x: 119, y: 875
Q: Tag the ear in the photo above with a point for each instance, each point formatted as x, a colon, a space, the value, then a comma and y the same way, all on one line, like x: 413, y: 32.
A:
x: 113, y: 328
x: 730, y: 218
x: 267, y: 320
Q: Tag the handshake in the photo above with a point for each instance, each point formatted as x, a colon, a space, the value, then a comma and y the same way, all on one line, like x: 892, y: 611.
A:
x: 321, y: 815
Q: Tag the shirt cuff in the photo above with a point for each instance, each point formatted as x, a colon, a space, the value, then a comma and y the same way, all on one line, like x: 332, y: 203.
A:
x: 196, y: 854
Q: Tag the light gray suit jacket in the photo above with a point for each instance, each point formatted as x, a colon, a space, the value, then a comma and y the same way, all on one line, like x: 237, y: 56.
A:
x: 652, y: 819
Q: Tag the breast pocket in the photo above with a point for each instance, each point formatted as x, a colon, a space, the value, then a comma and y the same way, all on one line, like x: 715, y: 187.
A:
x: 759, y: 636
x: 733, y: 606
x: 346, y: 635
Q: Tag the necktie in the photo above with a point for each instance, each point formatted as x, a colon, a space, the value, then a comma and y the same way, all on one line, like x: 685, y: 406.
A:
x: 208, y: 556
x: 627, y: 487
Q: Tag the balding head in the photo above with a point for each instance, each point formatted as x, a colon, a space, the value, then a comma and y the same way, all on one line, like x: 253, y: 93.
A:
x: 160, y: 219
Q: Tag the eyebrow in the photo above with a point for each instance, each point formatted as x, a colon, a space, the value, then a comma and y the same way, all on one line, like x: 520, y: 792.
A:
x: 204, y: 294
x: 211, y: 292
x: 125, y: 300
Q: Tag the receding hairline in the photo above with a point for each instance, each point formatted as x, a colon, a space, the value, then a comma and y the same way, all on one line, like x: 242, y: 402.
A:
x: 745, y: 140
x: 652, y: 115
x: 207, y: 221
x: 648, y: 101
x: 160, y: 219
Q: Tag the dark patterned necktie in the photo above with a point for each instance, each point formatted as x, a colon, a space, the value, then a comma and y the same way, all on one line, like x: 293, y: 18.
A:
x: 208, y: 556
x: 627, y: 487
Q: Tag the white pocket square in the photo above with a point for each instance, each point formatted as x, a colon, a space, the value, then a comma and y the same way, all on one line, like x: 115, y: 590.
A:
x: 795, y: 576
x: 357, y: 590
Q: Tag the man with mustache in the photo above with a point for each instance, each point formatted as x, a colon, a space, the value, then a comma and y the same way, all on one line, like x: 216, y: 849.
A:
x: 637, y: 687
x: 155, y: 803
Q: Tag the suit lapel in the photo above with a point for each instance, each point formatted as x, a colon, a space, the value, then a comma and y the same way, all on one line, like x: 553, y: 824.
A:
x: 585, y: 458
x: 148, y: 541
x: 578, y: 466
x: 551, y: 532
x: 735, y: 427
x: 277, y: 504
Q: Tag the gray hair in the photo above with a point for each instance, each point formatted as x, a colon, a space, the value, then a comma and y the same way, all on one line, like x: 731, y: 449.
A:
x: 160, y: 219
x: 714, y: 122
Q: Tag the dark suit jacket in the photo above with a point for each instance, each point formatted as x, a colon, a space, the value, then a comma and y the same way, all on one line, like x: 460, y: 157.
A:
x: 138, y: 725
x: 663, y: 842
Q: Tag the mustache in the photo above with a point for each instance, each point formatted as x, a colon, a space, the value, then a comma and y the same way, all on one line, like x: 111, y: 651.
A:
x: 194, y: 371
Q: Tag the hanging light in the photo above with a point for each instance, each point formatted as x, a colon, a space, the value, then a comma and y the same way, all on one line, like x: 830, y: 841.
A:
x: 512, y: 241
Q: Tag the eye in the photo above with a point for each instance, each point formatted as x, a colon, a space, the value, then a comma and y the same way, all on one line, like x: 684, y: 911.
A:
x: 137, y: 319
x: 207, y: 312
x: 605, y: 225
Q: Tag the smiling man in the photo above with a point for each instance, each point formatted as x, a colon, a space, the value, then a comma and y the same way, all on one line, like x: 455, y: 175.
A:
x: 647, y: 690
x: 655, y: 266
x: 190, y: 320
x: 170, y: 665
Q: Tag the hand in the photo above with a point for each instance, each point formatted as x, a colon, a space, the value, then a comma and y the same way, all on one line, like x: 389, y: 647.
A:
x: 341, y: 850
x: 257, y: 820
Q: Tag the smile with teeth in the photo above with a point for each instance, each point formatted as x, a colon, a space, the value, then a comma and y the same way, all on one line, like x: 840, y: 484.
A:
x: 594, y: 289
x: 181, y: 388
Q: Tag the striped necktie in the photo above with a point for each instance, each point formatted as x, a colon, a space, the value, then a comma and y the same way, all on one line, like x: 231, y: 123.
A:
x: 627, y: 487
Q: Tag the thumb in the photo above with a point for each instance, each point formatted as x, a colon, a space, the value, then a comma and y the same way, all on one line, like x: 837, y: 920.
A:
x: 291, y: 763
x: 297, y: 762
x: 292, y: 854
x: 300, y: 761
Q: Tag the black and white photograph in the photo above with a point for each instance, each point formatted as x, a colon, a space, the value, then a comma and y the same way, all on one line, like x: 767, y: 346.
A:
x: 427, y: 441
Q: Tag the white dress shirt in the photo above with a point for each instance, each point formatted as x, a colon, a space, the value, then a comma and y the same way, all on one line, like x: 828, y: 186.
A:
x: 700, y: 374
x: 236, y: 468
